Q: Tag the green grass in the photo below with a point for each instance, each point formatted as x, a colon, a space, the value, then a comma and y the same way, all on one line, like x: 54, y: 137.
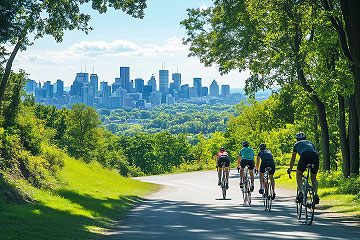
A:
x: 89, y: 201
x: 330, y: 200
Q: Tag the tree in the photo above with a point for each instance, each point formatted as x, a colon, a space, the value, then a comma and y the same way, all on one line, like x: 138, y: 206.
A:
x: 24, y: 19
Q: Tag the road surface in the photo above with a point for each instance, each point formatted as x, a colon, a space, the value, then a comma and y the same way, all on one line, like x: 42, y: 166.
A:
x: 190, y: 206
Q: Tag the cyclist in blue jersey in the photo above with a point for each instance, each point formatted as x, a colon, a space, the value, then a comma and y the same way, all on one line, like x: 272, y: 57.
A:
x: 308, y: 155
x: 246, y: 157
x: 267, y: 160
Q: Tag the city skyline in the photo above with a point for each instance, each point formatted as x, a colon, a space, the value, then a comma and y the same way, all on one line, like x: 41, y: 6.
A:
x: 119, y: 40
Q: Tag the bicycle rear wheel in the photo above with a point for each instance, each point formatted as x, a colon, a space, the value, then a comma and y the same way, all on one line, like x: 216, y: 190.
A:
x: 269, y: 196
x: 264, y: 195
x: 310, y: 206
x: 298, y: 206
x: 248, y: 192
x: 223, y: 185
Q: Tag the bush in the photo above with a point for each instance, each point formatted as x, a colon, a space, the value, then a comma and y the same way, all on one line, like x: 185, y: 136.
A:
x: 350, y: 185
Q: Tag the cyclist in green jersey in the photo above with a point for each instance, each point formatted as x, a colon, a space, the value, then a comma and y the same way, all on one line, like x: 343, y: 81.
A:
x: 246, y: 157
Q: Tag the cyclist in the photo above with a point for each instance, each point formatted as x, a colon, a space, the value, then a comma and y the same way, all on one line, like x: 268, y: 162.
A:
x: 246, y: 157
x: 267, y: 160
x: 308, y: 155
x: 223, y: 156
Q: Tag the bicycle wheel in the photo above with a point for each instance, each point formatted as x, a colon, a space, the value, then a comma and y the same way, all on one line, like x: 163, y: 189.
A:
x: 270, y: 195
x: 248, y: 192
x: 310, y: 206
x: 223, y: 186
x: 264, y: 195
x: 298, y: 206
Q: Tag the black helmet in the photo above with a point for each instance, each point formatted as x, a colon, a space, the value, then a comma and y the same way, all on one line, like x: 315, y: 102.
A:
x: 300, y: 136
x: 222, y: 149
x: 262, y: 146
x: 245, y: 143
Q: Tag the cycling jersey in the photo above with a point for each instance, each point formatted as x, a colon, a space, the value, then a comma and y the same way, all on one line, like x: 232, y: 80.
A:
x: 265, y: 155
x: 304, y: 146
x: 223, y: 157
x: 247, y: 153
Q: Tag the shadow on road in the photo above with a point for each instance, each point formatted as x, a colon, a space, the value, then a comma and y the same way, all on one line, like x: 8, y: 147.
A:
x: 165, y: 219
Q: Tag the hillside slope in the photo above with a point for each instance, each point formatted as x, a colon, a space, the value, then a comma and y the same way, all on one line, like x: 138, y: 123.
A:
x: 88, y: 201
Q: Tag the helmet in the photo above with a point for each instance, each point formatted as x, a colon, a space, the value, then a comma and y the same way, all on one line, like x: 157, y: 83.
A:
x: 262, y: 146
x: 300, y: 136
x: 245, y: 143
x: 222, y: 149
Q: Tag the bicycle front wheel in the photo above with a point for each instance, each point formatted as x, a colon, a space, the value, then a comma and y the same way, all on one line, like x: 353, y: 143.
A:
x: 298, y: 206
x: 249, y: 193
x: 310, y: 206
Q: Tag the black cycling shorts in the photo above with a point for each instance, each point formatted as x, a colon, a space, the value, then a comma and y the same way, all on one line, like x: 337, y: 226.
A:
x: 245, y: 162
x: 265, y: 164
x: 224, y: 159
x: 308, y: 158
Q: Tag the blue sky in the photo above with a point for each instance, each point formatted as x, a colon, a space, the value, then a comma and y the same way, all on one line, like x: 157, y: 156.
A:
x: 120, y: 40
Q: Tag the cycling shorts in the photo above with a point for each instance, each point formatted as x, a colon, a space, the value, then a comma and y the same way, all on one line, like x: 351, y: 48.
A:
x: 245, y: 162
x: 265, y: 164
x: 308, y: 158
x: 223, y: 159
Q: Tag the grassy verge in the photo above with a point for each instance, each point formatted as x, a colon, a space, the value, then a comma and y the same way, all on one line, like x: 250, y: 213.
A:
x: 330, y: 199
x: 89, y: 201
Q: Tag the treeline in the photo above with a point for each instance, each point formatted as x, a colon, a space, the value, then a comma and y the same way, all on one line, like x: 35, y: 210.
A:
x: 308, y: 47
x: 175, y: 118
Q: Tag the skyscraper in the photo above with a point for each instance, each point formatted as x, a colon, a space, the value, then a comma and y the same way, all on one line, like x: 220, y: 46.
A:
x: 139, y: 85
x: 59, y: 88
x: 214, y: 89
x: 176, y: 77
x: 94, y: 83
x: 225, y: 90
x: 125, y: 77
x: 82, y: 77
x: 197, y: 86
x: 164, y: 81
x: 152, y: 83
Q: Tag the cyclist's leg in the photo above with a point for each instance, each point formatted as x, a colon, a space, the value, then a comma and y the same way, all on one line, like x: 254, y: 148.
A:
x: 252, y: 176
x: 227, y: 165
x: 261, y: 178
x: 251, y: 171
x: 241, y: 175
x: 227, y: 173
x: 299, y: 175
x: 314, y: 182
x: 219, y: 175
x: 272, y: 182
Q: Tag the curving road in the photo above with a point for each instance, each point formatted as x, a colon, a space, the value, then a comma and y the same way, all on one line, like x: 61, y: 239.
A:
x: 190, y: 206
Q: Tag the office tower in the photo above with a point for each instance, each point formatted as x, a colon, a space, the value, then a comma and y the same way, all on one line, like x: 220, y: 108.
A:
x: 172, y: 89
x: 197, y: 86
x: 59, y: 88
x: 94, y: 82
x: 176, y: 77
x: 116, y: 85
x: 82, y: 77
x: 146, y: 92
x: 125, y: 77
x: 152, y: 83
x: 170, y: 99
x: 139, y: 85
x: 204, y: 91
x: 49, y: 89
x: 105, y: 89
x: 131, y: 87
x: 184, y: 91
x: 193, y: 92
x: 214, y: 89
x: 30, y: 86
x: 164, y: 81
x: 225, y: 90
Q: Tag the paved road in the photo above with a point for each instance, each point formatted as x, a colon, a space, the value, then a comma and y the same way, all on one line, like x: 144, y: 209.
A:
x: 190, y: 206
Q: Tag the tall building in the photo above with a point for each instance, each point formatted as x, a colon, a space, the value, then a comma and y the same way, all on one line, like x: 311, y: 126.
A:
x: 49, y: 89
x: 30, y: 86
x: 225, y: 90
x: 204, y: 91
x: 105, y: 89
x: 152, y: 83
x: 164, y: 81
x: 197, y: 86
x: 184, y: 91
x: 59, y: 88
x: 139, y: 85
x: 125, y: 77
x: 82, y: 77
x: 116, y: 85
x: 214, y: 89
x: 94, y: 82
x: 176, y: 77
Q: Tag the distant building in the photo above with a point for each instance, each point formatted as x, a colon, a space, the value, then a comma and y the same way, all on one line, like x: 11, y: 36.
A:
x: 30, y: 86
x: 94, y: 83
x: 59, y: 88
x: 197, y: 86
x: 139, y: 85
x: 184, y: 91
x: 204, y: 91
x: 176, y: 77
x: 214, y: 89
x: 164, y: 81
x: 125, y: 77
x: 152, y: 83
x: 170, y: 99
x: 225, y: 90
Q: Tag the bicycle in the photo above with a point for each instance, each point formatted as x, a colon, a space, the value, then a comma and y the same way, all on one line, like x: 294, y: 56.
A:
x: 268, y: 190
x: 308, y: 201
x: 246, y: 186
x: 223, y: 180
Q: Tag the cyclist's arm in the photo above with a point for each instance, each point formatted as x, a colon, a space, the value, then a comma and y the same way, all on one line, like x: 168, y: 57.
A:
x: 292, y: 162
x: 257, y: 162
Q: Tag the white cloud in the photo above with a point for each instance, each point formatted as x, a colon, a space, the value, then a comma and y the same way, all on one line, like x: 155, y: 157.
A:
x: 203, y: 6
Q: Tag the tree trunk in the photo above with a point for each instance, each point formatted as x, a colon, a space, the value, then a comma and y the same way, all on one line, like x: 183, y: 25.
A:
x: 317, y: 136
x: 353, y: 137
x: 6, y: 75
x: 344, y: 143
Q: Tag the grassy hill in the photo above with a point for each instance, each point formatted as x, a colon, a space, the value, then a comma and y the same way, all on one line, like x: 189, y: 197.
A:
x: 88, y: 201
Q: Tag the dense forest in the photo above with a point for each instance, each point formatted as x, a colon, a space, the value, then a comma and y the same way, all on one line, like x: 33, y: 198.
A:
x: 176, y: 118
